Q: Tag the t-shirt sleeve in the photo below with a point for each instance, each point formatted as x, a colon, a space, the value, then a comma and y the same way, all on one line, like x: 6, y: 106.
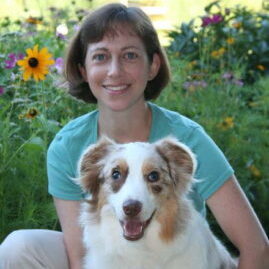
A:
x: 60, y: 170
x: 213, y: 169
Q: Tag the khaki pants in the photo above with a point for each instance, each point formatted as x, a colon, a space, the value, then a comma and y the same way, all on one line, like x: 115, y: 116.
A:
x: 33, y: 249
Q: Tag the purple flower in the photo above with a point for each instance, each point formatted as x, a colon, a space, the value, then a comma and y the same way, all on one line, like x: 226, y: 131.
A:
x: 61, y: 36
x: 2, y: 90
x: 12, y: 60
x: 228, y: 76
x: 238, y: 82
x: 59, y: 64
x: 193, y: 85
x: 215, y: 19
x: 206, y: 21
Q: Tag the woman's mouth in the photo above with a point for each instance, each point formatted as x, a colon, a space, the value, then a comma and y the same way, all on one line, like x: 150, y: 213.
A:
x: 116, y: 89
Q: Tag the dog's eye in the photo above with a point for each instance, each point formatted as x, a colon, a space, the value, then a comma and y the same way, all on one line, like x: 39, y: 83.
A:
x: 153, y: 176
x: 116, y: 174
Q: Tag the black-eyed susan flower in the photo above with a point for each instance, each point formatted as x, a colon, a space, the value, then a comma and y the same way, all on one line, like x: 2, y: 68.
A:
x: 230, y: 40
x: 30, y: 114
x: 261, y: 67
x: 33, y: 20
x: 254, y: 171
x: 218, y: 53
x: 36, y: 63
x: 227, y: 123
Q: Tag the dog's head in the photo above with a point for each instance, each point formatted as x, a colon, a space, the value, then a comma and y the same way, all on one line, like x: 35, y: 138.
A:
x: 140, y: 181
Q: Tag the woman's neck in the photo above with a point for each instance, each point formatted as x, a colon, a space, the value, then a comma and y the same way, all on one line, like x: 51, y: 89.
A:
x: 130, y: 125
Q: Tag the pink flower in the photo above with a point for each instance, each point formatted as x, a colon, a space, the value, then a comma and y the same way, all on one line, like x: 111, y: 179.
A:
x: 12, y: 60
x: 206, y: 21
x: 59, y: 65
x: 215, y: 19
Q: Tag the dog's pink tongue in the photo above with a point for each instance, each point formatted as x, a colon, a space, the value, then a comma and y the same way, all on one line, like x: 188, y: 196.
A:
x: 133, y: 229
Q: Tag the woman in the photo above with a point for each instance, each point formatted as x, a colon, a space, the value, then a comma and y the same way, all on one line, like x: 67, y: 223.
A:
x: 116, y: 61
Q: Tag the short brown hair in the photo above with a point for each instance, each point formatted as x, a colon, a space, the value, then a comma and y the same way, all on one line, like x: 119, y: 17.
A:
x: 106, y: 20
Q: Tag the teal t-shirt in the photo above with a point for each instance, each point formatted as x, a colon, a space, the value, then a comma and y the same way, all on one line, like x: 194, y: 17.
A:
x: 65, y: 150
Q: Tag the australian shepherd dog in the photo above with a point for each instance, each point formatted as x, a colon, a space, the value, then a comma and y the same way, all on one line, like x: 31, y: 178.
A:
x: 138, y: 215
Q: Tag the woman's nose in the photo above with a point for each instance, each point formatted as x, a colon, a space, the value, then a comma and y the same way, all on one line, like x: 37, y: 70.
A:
x: 115, y: 67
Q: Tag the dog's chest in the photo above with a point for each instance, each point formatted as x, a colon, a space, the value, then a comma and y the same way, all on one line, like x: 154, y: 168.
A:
x: 109, y: 250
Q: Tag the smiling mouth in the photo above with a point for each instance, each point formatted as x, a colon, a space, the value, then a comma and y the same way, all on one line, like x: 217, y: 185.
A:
x: 116, y: 89
x: 133, y: 228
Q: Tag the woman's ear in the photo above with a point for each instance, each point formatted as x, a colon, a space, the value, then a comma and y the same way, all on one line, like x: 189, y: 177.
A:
x: 155, y: 66
x: 83, y: 72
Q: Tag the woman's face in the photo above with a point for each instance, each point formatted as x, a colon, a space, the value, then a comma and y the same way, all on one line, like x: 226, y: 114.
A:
x: 117, y: 69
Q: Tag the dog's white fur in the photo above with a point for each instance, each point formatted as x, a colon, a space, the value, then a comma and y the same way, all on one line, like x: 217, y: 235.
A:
x: 176, y: 236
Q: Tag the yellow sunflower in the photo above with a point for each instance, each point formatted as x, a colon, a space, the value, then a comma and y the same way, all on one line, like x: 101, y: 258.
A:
x: 36, y: 63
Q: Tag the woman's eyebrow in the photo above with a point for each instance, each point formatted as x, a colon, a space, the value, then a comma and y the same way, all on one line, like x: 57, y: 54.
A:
x: 98, y: 48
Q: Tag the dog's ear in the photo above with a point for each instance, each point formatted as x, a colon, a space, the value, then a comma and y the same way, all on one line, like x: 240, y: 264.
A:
x: 90, y: 165
x: 180, y: 161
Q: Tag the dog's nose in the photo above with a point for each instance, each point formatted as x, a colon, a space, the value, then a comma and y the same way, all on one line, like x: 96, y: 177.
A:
x: 132, y: 208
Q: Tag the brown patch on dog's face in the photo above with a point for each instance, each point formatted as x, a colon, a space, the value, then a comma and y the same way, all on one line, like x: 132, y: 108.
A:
x: 90, y: 169
x: 118, y: 175
x: 153, y: 176
x: 172, y: 218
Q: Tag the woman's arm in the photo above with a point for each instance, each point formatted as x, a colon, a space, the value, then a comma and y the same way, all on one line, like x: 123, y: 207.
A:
x: 68, y: 212
x: 240, y: 223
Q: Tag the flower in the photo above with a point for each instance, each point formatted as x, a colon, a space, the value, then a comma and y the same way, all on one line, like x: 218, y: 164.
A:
x: 227, y: 123
x: 193, y: 85
x: 254, y: 170
x: 215, y: 19
x: 12, y: 60
x: 2, y: 90
x: 230, y: 40
x: 59, y: 64
x: 237, y: 24
x: 36, y: 63
x: 33, y: 20
x: 261, y: 67
x: 218, y: 53
x: 31, y: 113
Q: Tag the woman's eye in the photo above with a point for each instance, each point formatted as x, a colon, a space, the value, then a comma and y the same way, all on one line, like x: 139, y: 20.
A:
x: 99, y: 57
x: 153, y: 176
x: 130, y: 55
x: 116, y: 175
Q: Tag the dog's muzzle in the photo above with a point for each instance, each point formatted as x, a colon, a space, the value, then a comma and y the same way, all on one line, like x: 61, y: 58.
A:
x: 133, y: 227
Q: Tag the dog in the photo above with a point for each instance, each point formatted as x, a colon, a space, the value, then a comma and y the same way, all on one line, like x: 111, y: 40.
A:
x: 137, y: 214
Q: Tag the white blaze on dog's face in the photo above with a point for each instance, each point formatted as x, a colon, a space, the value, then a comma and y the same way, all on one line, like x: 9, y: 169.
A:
x: 140, y: 181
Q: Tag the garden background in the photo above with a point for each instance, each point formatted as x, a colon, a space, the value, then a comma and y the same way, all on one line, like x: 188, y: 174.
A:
x: 219, y: 54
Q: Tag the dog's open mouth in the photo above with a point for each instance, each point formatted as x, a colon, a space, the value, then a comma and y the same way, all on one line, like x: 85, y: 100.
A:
x: 133, y: 228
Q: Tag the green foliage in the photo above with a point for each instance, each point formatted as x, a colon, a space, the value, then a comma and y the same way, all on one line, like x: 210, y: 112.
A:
x: 205, y: 89
x: 224, y: 40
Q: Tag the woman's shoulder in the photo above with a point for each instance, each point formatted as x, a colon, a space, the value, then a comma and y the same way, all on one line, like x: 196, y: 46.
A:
x: 77, y: 132
x: 171, y: 122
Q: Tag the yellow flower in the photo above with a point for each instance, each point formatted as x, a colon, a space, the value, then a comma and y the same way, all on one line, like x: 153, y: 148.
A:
x: 31, y: 113
x: 230, y: 40
x: 36, y: 63
x: 192, y: 64
x: 261, y: 67
x: 218, y: 53
x: 254, y: 170
x: 33, y: 20
x: 227, y: 123
x: 237, y: 24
